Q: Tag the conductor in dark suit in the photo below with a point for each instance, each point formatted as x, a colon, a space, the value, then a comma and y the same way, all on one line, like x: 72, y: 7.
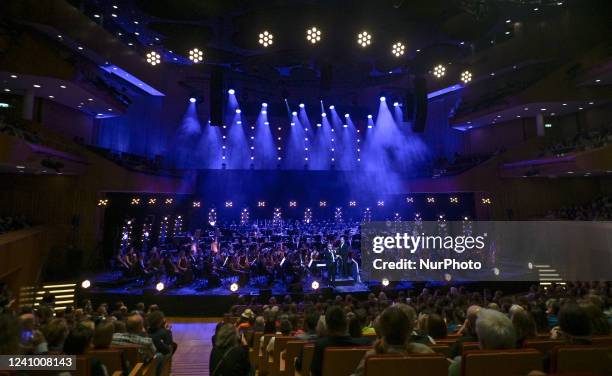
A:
x: 331, y: 263
x: 343, y: 250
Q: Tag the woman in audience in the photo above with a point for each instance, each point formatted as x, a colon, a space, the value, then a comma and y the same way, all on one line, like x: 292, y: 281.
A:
x: 524, y: 326
x: 436, y: 327
x: 228, y: 357
x: 78, y: 342
x: 396, y: 324
x: 160, y: 332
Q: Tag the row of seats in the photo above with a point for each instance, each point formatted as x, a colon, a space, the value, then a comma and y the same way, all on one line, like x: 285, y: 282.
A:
x: 342, y: 361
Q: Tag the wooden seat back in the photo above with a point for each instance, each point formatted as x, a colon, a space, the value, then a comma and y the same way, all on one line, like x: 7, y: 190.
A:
x: 581, y: 359
x: 422, y: 365
x: 342, y: 361
x: 501, y: 362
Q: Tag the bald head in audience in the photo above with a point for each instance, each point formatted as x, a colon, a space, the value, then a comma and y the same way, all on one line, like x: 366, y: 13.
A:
x: 135, y: 324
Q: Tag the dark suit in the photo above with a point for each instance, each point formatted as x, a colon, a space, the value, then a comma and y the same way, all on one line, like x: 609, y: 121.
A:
x: 343, y: 251
x: 331, y: 263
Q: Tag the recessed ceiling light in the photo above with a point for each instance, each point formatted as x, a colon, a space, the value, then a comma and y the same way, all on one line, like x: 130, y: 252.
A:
x: 7, y: 90
x: 591, y: 102
x: 508, y: 21
x: 90, y: 99
x: 542, y: 109
x: 130, y: 44
x: 80, y: 47
x: 136, y: 33
x: 13, y: 76
x: 580, y: 108
x: 96, y: 16
x: 115, y: 7
x: 526, y: 108
x: 135, y: 22
x: 110, y: 110
x: 507, y: 33
x: 113, y: 15
x: 598, y: 80
x: 63, y: 86
x: 51, y: 97
x: 564, y: 104
x: 36, y: 85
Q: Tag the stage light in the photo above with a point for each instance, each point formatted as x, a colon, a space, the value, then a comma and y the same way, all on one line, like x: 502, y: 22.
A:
x: 380, y: 203
x: 234, y: 287
x: 466, y: 76
x: 135, y: 201
x: 382, y: 99
x: 496, y: 271
x: 431, y: 200
x: 530, y: 265
x: 196, y: 204
x: 229, y: 204
x: 439, y: 70
x: 454, y: 200
x: 168, y: 201
x: 196, y: 55
x: 332, y: 107
x: 347, y: 116
x: 314, y: 285
x: 85, y: 284
x: 152, y: 201
x: 313, y: 35
x: 261, y: 204
x: 238, y: 111
x: 231, y: 91
x: 292, y: 204
x: 398, y: 49
x: 159, y: 286
x: 369, y: 116
x: 294, y: 113
x: 322, y: 204
x: 323, y: 114
x: 486, y: 201
x: 395, y: 104
x: 301, y: 105
x: 385, y: 282
x: 266, y: 39
x: 103, y: 202
x: 364, y: 39
x: 153, y: 58
x: 448, y: 277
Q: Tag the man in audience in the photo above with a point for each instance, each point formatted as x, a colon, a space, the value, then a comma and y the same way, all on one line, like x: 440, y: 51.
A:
x: 136, y: 335
x: 337, y: 335
x: 396, y: 324
x: 56, y: 332
x: 310, y: 327
x: 494, y: 331
x: 468, y: 331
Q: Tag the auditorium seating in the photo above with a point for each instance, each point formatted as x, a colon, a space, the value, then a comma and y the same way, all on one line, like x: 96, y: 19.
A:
x: 111, y: 358
x: 500, y: 362
x: 542, y: 345
x: 307, y: 354
x: 264, y: 357
x: 280, y: 346
x: 422, y: 365
x: 136, y: 371
x: 294, y: 349
x: 342, y: 361
x: 580, y: 359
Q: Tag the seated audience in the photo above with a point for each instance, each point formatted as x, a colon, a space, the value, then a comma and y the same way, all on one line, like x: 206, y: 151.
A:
x: 78, y: 342
x: 160, y: 332
x: 396, y: 324
x: 136, y: 335
x: 228, y: 357
x: 467, y: 331
x: 337, y: 335
x: 494, y: 331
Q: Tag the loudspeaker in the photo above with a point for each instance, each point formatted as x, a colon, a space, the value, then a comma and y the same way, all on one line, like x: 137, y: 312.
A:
x: 419, y: 110
x: 216, y: 96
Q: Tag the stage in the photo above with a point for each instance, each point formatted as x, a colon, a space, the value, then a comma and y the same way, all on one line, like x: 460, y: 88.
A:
x: 196, y: 299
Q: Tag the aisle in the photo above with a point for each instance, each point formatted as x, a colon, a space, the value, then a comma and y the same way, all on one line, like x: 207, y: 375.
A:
x: 194, y: 346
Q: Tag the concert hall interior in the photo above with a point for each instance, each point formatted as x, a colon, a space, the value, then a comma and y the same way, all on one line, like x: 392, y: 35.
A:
x: 192, y: 170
